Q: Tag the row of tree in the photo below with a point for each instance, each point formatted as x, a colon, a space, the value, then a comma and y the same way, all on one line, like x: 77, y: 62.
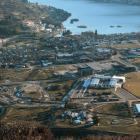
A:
x: 35, y: 132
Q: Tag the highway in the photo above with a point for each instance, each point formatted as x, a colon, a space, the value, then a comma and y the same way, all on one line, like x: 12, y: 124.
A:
x: 69, y: 94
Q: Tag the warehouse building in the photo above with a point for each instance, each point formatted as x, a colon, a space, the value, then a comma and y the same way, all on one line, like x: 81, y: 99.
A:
x: 101, y: 81
x: 84, y: 70
x: 95, y: 82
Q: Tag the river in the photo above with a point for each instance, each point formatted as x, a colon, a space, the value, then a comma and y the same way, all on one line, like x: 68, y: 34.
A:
x: 107, y: 18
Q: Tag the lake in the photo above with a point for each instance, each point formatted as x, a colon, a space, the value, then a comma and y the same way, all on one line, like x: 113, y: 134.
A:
x: 107, y: 18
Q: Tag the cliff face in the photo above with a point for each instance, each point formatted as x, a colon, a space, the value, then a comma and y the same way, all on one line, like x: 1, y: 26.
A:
x: 132, y: 2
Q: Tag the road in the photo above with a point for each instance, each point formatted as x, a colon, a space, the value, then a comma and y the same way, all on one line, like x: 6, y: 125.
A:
x: 11, y: 83
x: 118, y: 59
x: 69, y: 94
x: 89, y: 100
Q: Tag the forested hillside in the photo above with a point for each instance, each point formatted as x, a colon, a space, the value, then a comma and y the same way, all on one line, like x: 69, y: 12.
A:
x: 14, y: 12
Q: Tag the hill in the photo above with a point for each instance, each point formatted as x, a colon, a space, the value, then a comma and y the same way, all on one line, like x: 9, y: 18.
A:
x: 14, y: 13
x: 132, y: 2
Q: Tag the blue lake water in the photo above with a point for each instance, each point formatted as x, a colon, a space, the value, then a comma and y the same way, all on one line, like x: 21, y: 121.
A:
x: 98, y: 16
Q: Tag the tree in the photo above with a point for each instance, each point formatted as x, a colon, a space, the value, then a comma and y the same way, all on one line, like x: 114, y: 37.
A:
x: 96, y: 33
x: 67, y: 33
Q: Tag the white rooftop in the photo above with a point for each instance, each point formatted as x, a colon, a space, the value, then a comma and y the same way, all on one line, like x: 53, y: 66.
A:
x: 95, y: 81
x: 86, y: 83
x: 138, y: 107
x: 113, y: 82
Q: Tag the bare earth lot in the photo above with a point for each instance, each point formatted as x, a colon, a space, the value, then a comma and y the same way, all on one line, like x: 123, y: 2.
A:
x: 133, y: 83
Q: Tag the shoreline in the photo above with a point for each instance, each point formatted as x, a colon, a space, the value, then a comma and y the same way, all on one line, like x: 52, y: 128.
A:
x: 79, y: 31
x: 119, y: 2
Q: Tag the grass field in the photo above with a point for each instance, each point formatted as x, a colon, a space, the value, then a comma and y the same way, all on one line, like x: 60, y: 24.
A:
x: 15, y: 75
x: 120, y: 109
x: 21, y: 114
x: 133, y: 83
x: 19, y: 75
x: 123, y: 46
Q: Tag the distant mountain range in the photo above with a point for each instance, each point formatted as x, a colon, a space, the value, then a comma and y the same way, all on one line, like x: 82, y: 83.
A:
x: 131, y: 2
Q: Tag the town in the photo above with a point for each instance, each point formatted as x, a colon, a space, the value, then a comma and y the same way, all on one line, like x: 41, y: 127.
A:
x: 61, y: 80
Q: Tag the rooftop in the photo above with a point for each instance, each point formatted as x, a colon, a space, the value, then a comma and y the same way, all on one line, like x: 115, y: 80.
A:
x: 138, y: 107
